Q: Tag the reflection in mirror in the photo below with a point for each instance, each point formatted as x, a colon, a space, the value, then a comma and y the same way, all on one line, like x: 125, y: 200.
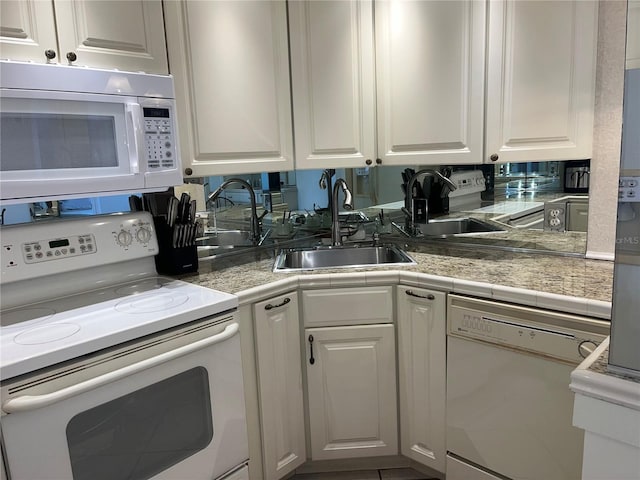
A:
x: 531, y: 202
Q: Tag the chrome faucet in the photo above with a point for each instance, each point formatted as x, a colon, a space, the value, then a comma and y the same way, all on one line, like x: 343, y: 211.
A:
x: 255, y: 220
x: 408, y: 209
x: 336, y: 238
x: 325, y: 184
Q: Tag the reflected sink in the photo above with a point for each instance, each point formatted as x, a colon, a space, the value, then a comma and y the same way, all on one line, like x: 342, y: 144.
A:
x: 226, y: 238
x: 223, y: 241
x: 457, y: 226
x: 350, y: 256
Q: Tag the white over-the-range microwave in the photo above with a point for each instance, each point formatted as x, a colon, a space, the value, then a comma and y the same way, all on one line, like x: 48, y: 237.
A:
x: 69, y: 132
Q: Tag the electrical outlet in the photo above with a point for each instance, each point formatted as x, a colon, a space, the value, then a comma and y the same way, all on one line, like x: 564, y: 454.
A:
x: 555, y: 217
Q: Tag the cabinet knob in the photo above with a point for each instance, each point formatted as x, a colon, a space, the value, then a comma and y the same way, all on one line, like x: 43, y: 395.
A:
x: 72, y: 57
x: 188, y: 171
x: 50, y: 54
x: 494, y: 157
x: 378, y: 161
x: 368, y: 161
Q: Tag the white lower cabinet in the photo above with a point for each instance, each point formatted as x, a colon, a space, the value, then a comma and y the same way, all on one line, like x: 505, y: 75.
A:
x: 422, y: 371
x: 279, y: 369
x: 351, y: 387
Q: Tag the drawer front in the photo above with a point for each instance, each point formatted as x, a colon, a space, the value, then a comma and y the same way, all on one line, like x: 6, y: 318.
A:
x: 347, y: 306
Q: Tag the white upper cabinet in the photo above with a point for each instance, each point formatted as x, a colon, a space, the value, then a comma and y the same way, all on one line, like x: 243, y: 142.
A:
x: 104, y: 34
x: 333, y: 83
x: 540, y: 80
x: 27, y: 29
x: 230, y: 61
x: 430, y: 81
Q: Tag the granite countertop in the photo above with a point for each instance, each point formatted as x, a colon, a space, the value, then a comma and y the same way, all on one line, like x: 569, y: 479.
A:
x: 551, y: 274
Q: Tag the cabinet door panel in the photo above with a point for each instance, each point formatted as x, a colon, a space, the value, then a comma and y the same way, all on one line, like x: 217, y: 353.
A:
x: 430, y: 73
x: 422, y: 371
x: 352, y: 392
x: 231, y: 64
x: 347, y: 306
x: 127, y: 35
x: 27, y: 29
x: 280, y: 385
x: 541, y: 80
x: 333, y: 82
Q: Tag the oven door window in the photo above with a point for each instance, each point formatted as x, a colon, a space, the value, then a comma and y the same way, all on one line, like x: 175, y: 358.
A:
x: 143, y: 433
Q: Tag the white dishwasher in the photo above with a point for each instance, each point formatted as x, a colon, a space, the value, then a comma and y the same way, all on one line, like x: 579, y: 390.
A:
x: 509, y: 407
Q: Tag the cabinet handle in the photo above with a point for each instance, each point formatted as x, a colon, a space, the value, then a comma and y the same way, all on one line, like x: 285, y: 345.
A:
x: 311, y: 360
x: 72, y: 57
x: 412, y: 294
x: 368, y: 161
x: 188, y: 171
x: 494, y: 157
x: 268, y: 306
x: 378, y: 161
x: 50, y: 54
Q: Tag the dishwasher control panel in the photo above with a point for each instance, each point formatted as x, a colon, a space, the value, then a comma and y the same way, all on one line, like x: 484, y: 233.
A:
x: 516, y: 327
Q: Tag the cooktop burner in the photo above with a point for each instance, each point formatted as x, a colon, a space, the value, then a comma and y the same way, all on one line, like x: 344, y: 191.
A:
x: 40, y: 335
x: 46, y: 334
x: 157, y: 302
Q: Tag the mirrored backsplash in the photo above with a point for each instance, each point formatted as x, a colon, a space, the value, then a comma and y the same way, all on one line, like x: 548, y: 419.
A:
x: 517, y: 196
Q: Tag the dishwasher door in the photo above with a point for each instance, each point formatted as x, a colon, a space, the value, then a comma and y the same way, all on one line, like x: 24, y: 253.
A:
x: 509, y: 407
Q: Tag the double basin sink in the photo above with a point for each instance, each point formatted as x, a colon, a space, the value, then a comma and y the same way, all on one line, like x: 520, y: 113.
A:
x: 348, y: 256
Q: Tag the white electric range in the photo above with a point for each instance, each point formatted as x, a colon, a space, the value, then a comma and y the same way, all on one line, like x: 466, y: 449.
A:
x: 111, y: 370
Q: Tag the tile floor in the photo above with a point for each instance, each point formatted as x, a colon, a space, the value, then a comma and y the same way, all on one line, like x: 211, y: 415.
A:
x: 387, y: 474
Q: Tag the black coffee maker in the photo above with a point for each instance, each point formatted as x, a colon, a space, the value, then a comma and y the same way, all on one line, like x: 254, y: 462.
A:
x: 576, y: 176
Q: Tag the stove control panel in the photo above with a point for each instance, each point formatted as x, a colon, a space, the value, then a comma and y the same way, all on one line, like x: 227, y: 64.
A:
x: 629, y: 189
x: 33, y: 250
x: 58, y: 248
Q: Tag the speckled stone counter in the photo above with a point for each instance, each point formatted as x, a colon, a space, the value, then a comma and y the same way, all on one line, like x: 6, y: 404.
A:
x: 548, y: 281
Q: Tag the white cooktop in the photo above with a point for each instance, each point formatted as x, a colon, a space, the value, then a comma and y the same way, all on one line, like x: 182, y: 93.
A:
x: 43, y: 334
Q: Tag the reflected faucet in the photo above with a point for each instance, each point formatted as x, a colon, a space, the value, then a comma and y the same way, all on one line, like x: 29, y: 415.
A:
x: 255, y: 220
x: 325, y: 184
x: 336, y: 238
x: 408, y: 209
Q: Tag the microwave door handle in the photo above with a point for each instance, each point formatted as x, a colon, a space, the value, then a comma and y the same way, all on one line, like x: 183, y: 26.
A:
x: 32, y: 402
x: 134, y: 132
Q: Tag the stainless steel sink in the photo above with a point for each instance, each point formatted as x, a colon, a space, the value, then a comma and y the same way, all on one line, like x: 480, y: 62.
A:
x: 457, y: 226
x: 349, y: 256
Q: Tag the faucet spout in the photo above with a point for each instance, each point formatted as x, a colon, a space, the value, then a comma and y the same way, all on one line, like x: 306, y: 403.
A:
x: 325, y: 184
x: 336, y: 238
x: 255, y: 220
x: 408, y: 199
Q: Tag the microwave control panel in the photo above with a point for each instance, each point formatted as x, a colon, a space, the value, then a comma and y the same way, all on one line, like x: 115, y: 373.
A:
x: 159, y: 138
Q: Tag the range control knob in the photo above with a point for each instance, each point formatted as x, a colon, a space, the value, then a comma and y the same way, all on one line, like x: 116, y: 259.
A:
x: 124, y: 238
x: 143, y: 235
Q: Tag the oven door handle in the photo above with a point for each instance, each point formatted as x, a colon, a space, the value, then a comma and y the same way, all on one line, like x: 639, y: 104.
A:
x: 32, y: 402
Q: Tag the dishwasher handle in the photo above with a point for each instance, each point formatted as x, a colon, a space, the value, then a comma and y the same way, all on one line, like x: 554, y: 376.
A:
x: 31, y: 402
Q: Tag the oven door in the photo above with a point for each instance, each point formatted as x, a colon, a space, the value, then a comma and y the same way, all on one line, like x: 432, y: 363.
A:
x: 169, y: 407
x: 60, y: 143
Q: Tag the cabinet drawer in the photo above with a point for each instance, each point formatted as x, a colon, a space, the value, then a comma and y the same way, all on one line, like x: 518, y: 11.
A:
x: 347, y: 306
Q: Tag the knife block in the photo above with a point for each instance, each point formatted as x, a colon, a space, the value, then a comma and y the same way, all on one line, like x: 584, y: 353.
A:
x: 173, y: 260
